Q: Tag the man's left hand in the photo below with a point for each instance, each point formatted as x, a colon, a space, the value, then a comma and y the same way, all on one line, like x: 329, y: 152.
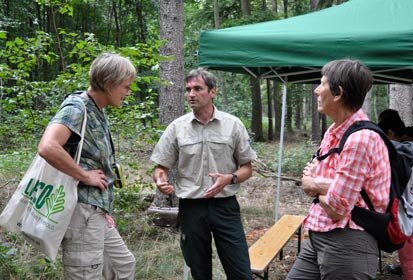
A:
x: 220, y: 181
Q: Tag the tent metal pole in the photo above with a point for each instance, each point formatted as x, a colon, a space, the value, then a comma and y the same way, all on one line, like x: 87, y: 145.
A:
x: 280, y: 153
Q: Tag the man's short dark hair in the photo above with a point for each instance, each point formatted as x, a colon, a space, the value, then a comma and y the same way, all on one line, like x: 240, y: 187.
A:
x: 208, y: 77
x: 353, y: 77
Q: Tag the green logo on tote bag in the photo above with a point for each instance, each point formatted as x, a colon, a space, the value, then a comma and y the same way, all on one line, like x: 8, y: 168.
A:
x: 39, y: 194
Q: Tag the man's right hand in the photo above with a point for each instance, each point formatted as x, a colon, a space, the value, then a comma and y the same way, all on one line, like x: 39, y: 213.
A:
x: 161, y: 181
x: 164, y: 187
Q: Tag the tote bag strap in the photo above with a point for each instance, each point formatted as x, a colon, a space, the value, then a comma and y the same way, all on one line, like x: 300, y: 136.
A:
x: 82, y: 136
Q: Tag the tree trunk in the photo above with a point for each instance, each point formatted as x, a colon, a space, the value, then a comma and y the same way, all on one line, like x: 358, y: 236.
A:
x: 216, y: 14
x: 118, y: 34
x: 270, y: 108
x: 285, y: 2
x: 220, y: 75
x: 256, y: 122
x: 315, y: 118
x: 277, y: 107
x: 140, y: 20
x: 306, y: 110
x: 323, y: 124
x: 245, y: 7
x: 172, y: 71
x: 367, y: 105
x: 172, y: 76
x: 401, y: 99
x: 289, y: 114
x: 263, y: 5
x: 274, y: 8
x: 299, y: 113
x: 313, y: 5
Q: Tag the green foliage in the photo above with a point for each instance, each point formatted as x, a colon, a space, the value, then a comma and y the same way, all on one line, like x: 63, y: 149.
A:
x: 27, y: 104
x: 295, y: 156
x: 8, y: 264
x: 380, y: 101
x: 294, y: 160
x: 238, y: 95
x: 129, y: 201
x: 12, y: 249
x: 15, y: 163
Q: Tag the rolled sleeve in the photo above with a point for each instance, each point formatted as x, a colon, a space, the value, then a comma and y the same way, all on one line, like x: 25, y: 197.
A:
x: 244, y: 152
x: 166, y: 152
x: 70, y: 114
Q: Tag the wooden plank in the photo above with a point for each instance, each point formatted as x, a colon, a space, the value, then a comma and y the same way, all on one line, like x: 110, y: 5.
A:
x: 265, y: 249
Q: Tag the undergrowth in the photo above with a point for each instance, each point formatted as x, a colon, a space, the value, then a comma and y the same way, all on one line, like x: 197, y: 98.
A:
x: 156, y: 249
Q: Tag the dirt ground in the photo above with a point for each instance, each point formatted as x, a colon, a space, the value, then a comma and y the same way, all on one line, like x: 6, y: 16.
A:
x: 261, y: 192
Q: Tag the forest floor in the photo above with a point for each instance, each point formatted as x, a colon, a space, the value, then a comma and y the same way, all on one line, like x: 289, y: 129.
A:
x: 257, y: 199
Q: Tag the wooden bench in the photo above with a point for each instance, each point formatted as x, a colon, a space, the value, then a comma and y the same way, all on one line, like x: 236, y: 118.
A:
x: 268, y: 246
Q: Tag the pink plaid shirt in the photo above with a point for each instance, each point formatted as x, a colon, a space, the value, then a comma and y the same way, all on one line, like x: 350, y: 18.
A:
x: 363, y: 163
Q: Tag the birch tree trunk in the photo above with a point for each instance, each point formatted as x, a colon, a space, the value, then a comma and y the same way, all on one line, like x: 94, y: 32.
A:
x: 401, y: 99
x: 367, y: 108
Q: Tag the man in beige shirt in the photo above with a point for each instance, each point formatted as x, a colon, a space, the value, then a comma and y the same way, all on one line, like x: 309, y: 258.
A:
x: 213, y: 156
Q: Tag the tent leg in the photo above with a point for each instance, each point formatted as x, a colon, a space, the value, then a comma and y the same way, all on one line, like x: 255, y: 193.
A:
x: 280, y: 154
x: 186, y: 271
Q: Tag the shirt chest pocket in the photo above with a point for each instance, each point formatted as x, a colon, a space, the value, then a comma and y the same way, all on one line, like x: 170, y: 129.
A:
x: 220, y: 143
x: 190, y: 146
x: 331, y: 165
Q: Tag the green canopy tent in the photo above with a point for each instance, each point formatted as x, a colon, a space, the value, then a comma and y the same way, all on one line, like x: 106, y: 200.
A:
x: 377, y: 32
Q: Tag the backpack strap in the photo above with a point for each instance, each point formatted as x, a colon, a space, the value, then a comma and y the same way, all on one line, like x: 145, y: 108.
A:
x: 393, y: 155
x: 353, y: 128
x: 323, y: 157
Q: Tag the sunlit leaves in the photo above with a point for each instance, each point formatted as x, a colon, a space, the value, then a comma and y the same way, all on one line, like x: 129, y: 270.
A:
x: 27, y: 104
x: 3, y: 35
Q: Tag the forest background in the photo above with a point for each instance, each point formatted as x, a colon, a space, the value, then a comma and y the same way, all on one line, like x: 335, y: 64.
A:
x: 46, y: 47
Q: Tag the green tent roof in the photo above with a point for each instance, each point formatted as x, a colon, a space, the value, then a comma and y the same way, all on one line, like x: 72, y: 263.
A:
x: 377, y: 32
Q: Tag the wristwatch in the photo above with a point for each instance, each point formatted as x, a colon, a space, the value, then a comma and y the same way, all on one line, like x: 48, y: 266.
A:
x: 234, y: 179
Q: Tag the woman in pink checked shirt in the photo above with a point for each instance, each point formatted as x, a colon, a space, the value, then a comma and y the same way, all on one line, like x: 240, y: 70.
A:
x: 337, y: 248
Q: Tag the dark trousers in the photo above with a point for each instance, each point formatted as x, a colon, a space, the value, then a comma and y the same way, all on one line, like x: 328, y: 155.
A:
x: 218, y: 217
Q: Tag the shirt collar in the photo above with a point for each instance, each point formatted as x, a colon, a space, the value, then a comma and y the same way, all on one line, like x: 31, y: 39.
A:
x: 216, y: 115
x: 338, y: 132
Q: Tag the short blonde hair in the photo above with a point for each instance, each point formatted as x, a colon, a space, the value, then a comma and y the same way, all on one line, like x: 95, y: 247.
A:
x: 109, y: 69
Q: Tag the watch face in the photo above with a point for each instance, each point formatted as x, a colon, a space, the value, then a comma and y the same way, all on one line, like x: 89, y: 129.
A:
x: 234, y: 178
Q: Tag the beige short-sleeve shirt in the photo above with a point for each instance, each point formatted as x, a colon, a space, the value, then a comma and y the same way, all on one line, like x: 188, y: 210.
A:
x: 221, y: 146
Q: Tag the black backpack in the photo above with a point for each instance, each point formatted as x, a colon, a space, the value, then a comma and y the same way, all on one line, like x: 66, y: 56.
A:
x: 386, y: 227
